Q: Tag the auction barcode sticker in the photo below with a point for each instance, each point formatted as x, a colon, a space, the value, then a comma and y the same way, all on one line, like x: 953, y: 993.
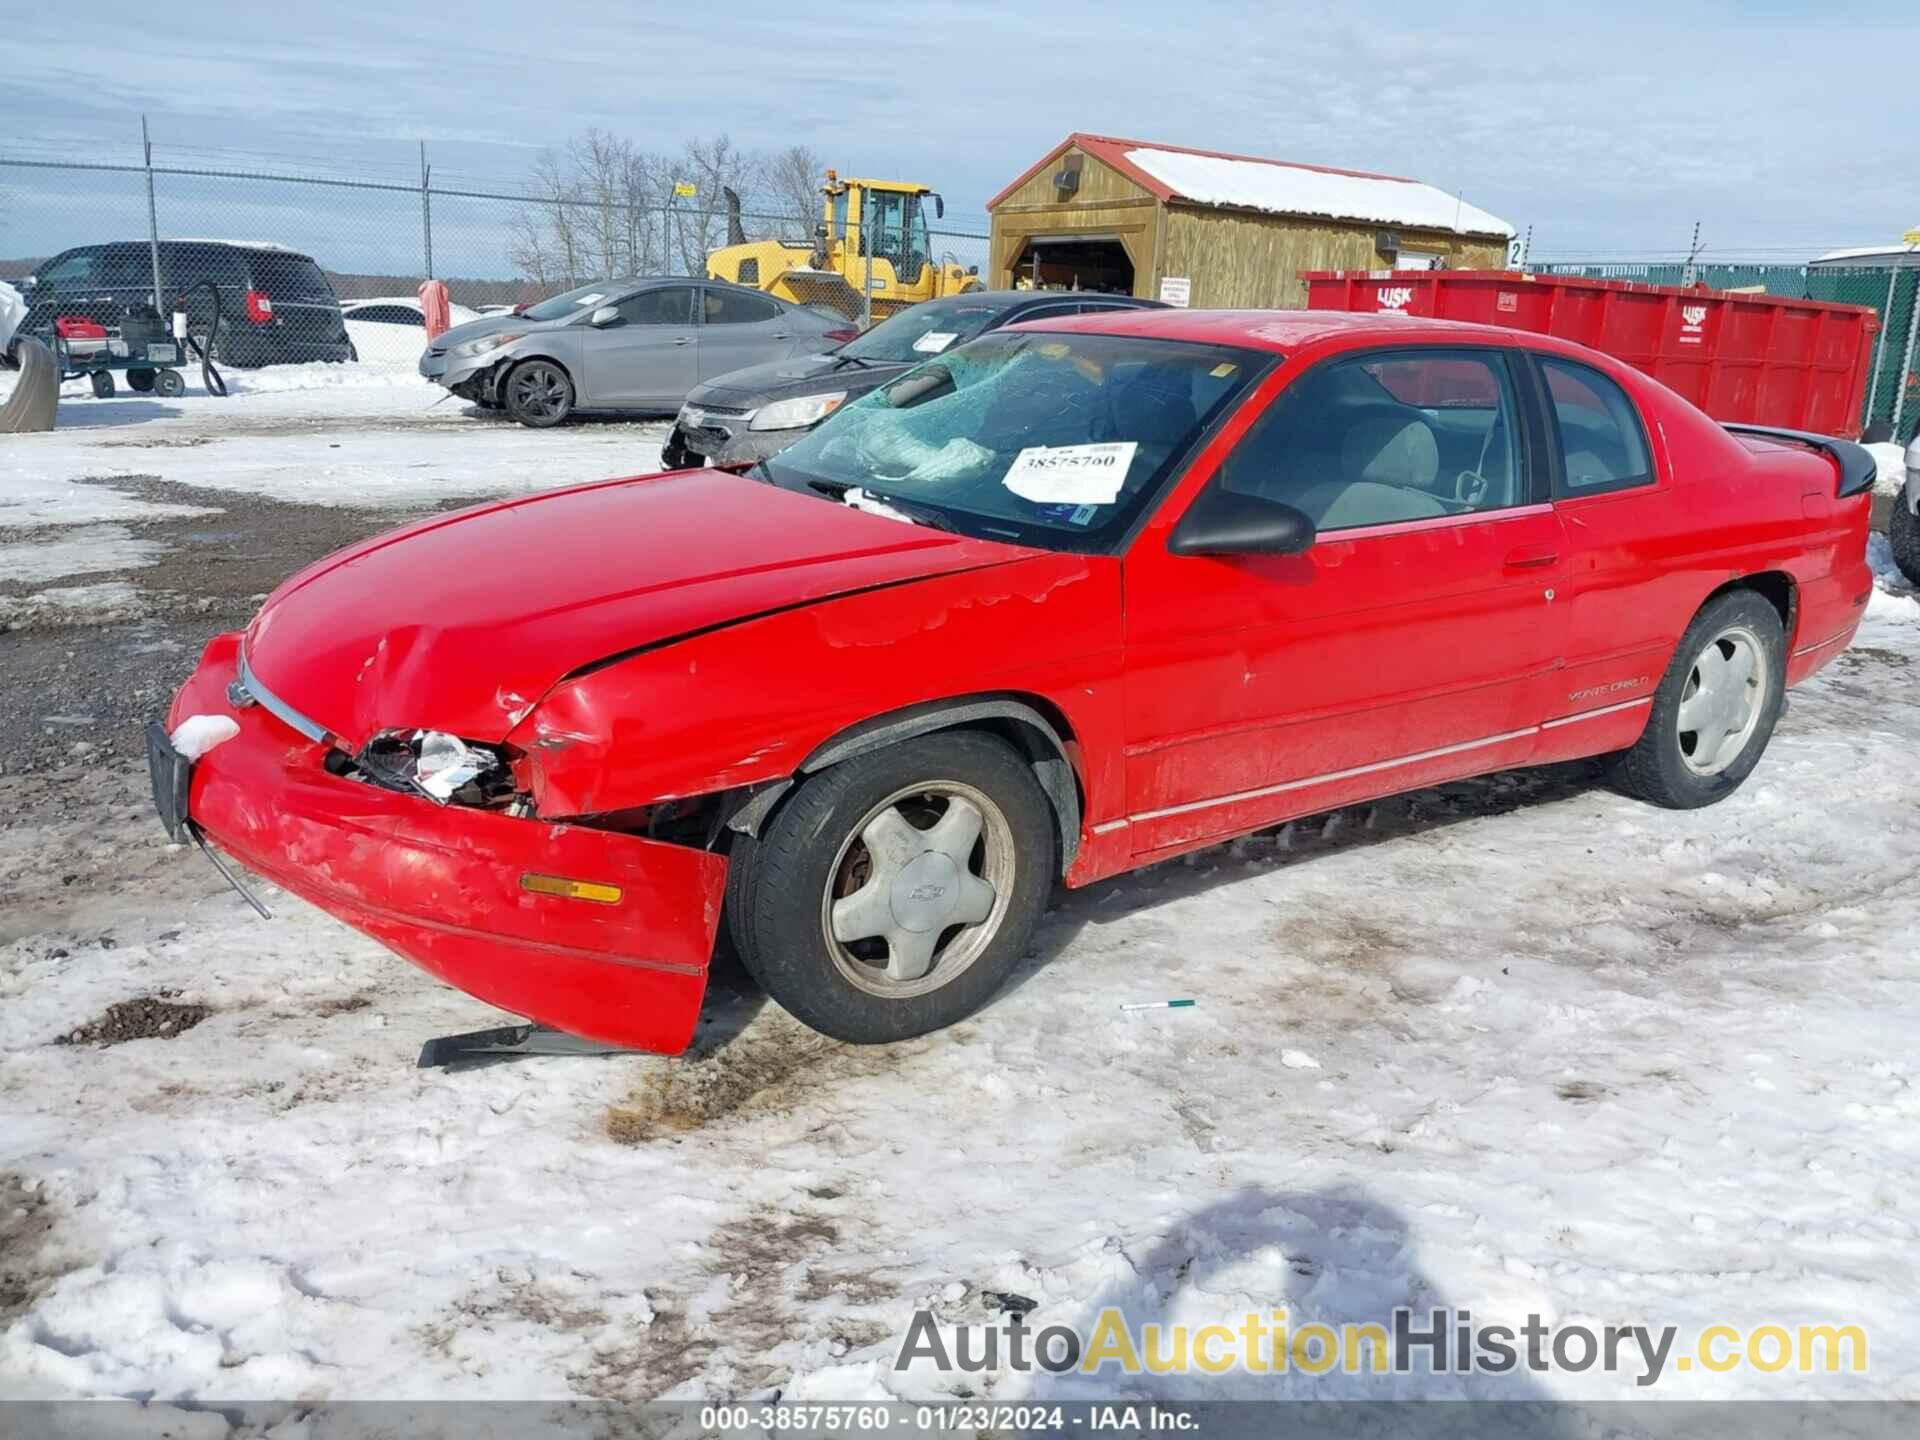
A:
x: 1071, y: 474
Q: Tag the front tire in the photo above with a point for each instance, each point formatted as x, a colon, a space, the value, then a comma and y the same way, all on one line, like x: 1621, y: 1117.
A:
x: 1903, y: 537
x: 538, y: 393
x: 1715, y: 708
x: 894, y: 893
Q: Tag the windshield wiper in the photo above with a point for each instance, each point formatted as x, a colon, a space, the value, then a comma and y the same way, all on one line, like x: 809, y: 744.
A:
x: 925, y: 515
x: 843, y: 360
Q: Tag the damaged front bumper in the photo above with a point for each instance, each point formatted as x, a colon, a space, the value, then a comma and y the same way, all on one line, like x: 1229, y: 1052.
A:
x: 601, y: 934
x: 727, y: 437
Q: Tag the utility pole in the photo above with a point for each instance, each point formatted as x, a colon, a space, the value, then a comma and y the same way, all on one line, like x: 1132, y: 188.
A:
x: 153, y: 213
x: 426, y: 209
x: 1691, y: 273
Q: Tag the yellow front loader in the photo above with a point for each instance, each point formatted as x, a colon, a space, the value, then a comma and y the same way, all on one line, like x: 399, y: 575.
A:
x: 872, y: 237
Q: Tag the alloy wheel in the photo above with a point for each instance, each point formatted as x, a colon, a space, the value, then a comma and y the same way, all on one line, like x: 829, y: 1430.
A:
x: 539, y: 391
x: 919, y: 889
x: 1722, y: 701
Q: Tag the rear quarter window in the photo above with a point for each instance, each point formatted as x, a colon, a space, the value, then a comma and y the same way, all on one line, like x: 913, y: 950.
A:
x: 1602, y: 443
x: 184, y: 265
x: 287, y: 277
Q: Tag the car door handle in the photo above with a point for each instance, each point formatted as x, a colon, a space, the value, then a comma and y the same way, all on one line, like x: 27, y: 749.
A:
x: 782, y: 335
x: 683, y: 339
x: 1533, y: 557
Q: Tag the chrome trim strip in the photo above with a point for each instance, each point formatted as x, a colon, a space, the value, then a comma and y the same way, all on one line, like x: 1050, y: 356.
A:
x: 1822, y: 644
x: 1107, y: 827
x: 1376, y: 766
x: 275, y: 705
x: 1595, y: 714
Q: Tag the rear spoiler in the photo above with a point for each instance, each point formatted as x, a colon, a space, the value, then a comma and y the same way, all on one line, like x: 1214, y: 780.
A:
x: 1858, y: 469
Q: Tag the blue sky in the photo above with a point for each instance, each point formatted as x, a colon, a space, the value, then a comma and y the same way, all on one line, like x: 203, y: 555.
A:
x: 1610, y: 128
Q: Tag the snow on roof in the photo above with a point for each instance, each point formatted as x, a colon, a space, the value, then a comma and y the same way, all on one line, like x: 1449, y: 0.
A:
x: 1869, y: 252
x: 1283, y: 189
x: 241, y: 244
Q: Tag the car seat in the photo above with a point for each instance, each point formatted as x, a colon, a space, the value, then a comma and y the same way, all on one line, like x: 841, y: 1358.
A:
x: 1388, y: 467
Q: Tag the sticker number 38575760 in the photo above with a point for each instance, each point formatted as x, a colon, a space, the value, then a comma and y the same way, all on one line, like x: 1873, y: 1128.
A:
x: 1071, y: 474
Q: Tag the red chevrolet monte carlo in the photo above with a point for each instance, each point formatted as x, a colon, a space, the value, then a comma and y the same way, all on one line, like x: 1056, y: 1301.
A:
x: 1061, y: 602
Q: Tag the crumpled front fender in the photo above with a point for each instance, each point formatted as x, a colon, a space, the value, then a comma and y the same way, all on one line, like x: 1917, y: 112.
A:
x: 445, y: 885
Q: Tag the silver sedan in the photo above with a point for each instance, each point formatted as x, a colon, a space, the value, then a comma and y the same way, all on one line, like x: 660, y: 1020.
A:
x: 621, y: 347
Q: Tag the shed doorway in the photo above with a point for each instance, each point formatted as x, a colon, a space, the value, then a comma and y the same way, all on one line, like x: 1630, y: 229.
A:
x: 1097, y: 263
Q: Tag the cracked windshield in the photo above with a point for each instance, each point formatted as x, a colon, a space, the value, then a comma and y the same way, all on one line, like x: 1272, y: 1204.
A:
x: 1051, y: 439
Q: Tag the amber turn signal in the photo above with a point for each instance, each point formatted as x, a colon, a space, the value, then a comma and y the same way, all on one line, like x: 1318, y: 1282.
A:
x: 572, y: 889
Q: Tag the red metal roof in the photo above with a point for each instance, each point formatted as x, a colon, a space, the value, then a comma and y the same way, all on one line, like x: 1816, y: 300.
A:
x: 1112, y: 150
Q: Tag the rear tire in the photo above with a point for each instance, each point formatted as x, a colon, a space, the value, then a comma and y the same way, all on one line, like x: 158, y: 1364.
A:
x: 169, y: 384
x: 538, y: 393
x: 141, y: 380
x: 1903, y: 537
x: 1715, y: 708
x: 103, y: 384
x: 873, y: 910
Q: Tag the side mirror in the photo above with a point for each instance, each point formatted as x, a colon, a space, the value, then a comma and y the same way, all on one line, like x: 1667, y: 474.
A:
x: 604, y: 316
x: 1225, y: 522
x: 939, y: 207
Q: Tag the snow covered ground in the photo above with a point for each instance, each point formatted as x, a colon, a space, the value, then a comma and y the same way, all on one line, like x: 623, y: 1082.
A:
x: 1517, y: 1044
x: 360, y: 435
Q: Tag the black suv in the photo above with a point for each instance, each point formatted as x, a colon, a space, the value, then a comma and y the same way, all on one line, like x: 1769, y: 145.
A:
x: 276, y: 306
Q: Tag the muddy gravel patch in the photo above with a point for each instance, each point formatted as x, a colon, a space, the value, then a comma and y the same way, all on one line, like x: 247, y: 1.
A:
x: 773, y: 1065
x: 150, y: 1017
x: 26, y: 1223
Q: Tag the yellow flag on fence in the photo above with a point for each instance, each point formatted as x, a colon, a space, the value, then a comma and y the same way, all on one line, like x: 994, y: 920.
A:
x: 682, y: 187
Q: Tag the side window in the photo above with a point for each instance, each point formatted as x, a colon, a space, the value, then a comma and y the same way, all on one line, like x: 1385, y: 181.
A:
x: 1388, y: 437
x: 125, y: 267
x: 730, y: 307
x: 668, y: 305
x: 78, y: 269
x: 388, y: 315
x: 1602, y: 443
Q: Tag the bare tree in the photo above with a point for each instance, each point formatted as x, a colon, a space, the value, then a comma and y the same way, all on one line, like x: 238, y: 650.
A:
x: 712, y: 167
x: 602, y: 207
x: 792, y: 179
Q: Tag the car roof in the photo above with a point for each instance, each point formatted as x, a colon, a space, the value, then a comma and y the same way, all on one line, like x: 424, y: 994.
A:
x: 1014, y: 299
x: 253, y: 247
x: 1284, y: 331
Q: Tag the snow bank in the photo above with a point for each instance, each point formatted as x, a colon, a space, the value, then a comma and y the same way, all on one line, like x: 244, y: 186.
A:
x: 1284, y: 189
x: 90, y: 549
x: 361, y: 435
x: 1892, y: 460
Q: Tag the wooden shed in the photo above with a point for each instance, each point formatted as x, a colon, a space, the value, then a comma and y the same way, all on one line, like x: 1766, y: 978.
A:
x: 1203, y: 228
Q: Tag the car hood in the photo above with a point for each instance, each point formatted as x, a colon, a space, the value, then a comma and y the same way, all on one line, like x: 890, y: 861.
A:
x: 759, y: 385
x: 463, y: 622
x: 489, y: 325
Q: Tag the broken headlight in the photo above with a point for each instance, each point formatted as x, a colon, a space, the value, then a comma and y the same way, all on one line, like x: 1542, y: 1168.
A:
x: 444, y: 768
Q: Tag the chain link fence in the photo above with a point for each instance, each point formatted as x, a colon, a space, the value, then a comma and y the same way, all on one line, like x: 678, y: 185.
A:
x: 1893, y: 392
x: 369, y: 238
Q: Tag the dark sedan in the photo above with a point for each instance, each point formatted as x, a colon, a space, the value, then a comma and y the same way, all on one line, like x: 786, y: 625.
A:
x: 747, y: 415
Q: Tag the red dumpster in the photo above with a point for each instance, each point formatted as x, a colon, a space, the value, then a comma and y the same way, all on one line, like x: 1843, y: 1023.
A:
x: 1756, y: 359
